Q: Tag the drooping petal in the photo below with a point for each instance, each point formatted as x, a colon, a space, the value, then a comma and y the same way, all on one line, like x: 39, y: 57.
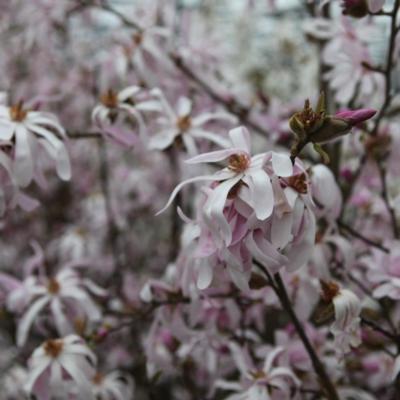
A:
x: 28, y: 319
x: 23, y: 164
x: 213, y: 156
x: 261, y: 193
x: 282, y: 164
x: 177, y: 189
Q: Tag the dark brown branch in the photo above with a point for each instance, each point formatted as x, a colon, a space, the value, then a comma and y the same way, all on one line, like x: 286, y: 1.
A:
x: 319, y: 368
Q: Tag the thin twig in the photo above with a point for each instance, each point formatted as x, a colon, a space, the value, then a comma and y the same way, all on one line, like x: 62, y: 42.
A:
x: 358, y: 235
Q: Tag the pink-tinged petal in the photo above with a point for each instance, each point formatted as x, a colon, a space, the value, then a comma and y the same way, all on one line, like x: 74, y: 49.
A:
x: 23, y: 164
x: 355, y: 117
x: 7, y: 130
x: 150, y: 105
x: 64, y: 327
x: 261, y: 193
x: 347, y: 308
x: 63, y: 165
x: 83, y: 384
x: 213, y: 156
x: 190, y: 145
x: 264, y: 252
x: 271, y: 358
x: 35, y: 374
x: 184, y: 107
x: 128, y: 92
x: 240, y: 138
x: 207, y: 117
x: 205, y: 276
x: 239, y: 277
x: 281, y: 228
x: 375, y: 5
x: 382, y: 290
x: 212, y: 137
x: 282, y: 164
x: 241, y: 359
x: 214, y: 208
x: 28, y: 319
x: 177, y: 189
x: 163, y: 139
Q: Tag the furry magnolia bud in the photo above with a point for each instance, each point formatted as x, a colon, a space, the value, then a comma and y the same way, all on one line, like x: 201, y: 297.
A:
x: 316, y: 127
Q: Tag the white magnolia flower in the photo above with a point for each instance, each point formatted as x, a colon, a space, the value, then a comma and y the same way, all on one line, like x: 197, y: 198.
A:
x: 61, y: 367
x: 131, y: 102
x: 31, y: 130
x: 113, y: 386
x: 67, y: 297
x: 259, y: 384
x: 183, y: 125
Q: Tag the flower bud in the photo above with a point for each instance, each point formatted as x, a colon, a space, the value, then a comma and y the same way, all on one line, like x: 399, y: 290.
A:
x: 331, y: 129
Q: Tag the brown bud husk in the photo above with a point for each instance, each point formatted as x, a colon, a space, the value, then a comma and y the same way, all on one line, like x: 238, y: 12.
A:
x: 332, y: 128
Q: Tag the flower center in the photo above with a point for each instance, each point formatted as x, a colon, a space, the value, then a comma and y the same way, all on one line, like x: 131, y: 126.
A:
x: 137, y: 38
x: 329, y: 290
x: 184, y: 123
x: 17, y: 112
x: 98, y: 378
x: 239, y: 162
x: 298, y: 183
x: 258, y: 374
x: 53, y: 347
x: 109, y: 99
x: 53, y: 286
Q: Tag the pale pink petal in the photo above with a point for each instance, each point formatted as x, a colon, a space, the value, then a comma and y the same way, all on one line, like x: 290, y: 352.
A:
x: 240, y: 138
x: 261, y: 193
x: 282, y: 165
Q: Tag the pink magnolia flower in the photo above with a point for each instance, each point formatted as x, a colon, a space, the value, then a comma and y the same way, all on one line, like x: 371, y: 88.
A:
x: 129, y: 102
x: 183, y: 125
x: 32, y: 130
x: 67, y: 297
x: 260, y: 384
x: 112, y: 386
x: 66, y: 364
x: 242, y: 169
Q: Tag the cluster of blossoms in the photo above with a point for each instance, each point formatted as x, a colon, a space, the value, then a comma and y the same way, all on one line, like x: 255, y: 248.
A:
x: 271, y: 272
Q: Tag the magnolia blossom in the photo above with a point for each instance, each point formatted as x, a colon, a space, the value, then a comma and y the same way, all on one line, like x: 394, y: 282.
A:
x: 384, y: 271
x: 242, y: 170
x: 61, y: 366
x: 112, y: 386
x: 130, y: 102
x: 181, y: 124
x: 260, y: 384
x: 347, y: 309
x: 143, y: 49
x: 66, y: 296
x: 32, y: 130
x: 348, y: 57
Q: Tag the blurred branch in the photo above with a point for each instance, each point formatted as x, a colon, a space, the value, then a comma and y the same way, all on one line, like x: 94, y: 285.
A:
x: 113, y: 231
x: 319, y: 368
x: 358, y: 235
